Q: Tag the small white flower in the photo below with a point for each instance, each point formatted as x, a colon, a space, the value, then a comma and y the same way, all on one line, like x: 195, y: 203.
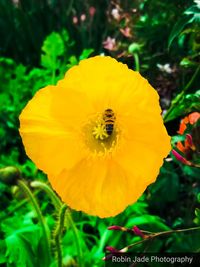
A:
x: 165, y: 68
x: 115, y: 13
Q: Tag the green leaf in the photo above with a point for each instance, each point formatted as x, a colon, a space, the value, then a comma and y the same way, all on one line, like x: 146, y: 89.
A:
x: 166, y: 189
x: 198, y: 197
x: 86, y: 53
x: 23, y: 241
x: 2, y: 252
x: 53, y: 47
x: 197, y: 213
x: 20, y: 246
x: 188, y: 103
x: 192, y: 172
x: 185, y: 242
x: 168, y: 181
x: 153, y: 223
x: 186, y: 62
x: 178, y: 27
x: 192, y: 14
x: 195, y: 12
x: 72, y: 62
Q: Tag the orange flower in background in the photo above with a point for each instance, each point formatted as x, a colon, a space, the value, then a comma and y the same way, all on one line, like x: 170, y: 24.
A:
x: 188, y: 120
x: 189, y: 150
x: 98, y: 134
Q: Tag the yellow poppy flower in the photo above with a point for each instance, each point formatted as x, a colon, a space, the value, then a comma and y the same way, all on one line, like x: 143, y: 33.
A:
x: 98, y: 134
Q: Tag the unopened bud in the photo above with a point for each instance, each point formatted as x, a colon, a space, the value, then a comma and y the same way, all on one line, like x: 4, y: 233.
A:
x: 112, y: 249
x: 17, y: 193
x: 180, y: 158
x: 9, y: 175
x: 117, y: 228
x: 190, y: 141
x: 138, y: 232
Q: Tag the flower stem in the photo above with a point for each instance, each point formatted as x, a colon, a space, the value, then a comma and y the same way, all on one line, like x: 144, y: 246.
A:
x: 54, y: 198
x: 153, y: 235
x: 176, y: 231
x: 57, y: 203
x: 137, y: 63
x: 58, y: 234
x: 179, y: 96
x: 22, y: 185
x: 76, y: 239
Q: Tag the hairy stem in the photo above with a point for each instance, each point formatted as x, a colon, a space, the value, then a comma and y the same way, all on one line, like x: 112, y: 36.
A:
x: 58, y: 234
x: 57, y: 203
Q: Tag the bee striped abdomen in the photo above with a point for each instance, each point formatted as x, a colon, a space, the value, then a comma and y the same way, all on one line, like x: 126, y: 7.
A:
x: 109, y: 119
x: 109, y: 128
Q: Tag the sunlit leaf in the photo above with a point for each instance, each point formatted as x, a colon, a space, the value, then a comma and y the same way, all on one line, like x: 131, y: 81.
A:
x: 86, y: 53
x: 187, y: 104
x: 53, y: 47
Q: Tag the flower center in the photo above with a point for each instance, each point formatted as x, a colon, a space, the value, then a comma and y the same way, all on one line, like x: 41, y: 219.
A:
x: 105, y: 125
x: 101, y: 133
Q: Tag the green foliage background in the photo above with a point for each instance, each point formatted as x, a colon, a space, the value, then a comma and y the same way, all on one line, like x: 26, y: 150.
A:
x: 39, y: 43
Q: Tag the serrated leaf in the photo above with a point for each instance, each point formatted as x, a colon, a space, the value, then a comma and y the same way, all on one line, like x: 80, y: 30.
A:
x: 53, y: 47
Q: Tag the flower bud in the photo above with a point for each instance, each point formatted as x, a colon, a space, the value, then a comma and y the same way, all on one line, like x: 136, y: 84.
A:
x: 180, y: 158
x: 9, y: 175
x: 138, y: 232
x: 112, y: 249
x: 117, y: 228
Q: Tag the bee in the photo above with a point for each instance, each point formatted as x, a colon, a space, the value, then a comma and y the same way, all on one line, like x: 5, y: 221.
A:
x: 109, y: 119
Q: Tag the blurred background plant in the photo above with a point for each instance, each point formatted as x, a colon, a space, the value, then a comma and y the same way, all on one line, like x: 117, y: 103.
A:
x: 40, y: 41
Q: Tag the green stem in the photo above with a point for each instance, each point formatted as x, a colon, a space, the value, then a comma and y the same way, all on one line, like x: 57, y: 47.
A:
x: 36, y: 207
x: 57, y: 203
x: 179, y: 96
x: 58, y: 234
x: 53, y: 76
x: 54, y: 198
x: 137, y: 63
x: 76, y: 238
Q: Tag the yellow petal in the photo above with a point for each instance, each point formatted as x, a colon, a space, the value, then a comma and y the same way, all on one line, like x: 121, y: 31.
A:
x: 97, y: 187
x: 49, y: 129
x: 101, y: 78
